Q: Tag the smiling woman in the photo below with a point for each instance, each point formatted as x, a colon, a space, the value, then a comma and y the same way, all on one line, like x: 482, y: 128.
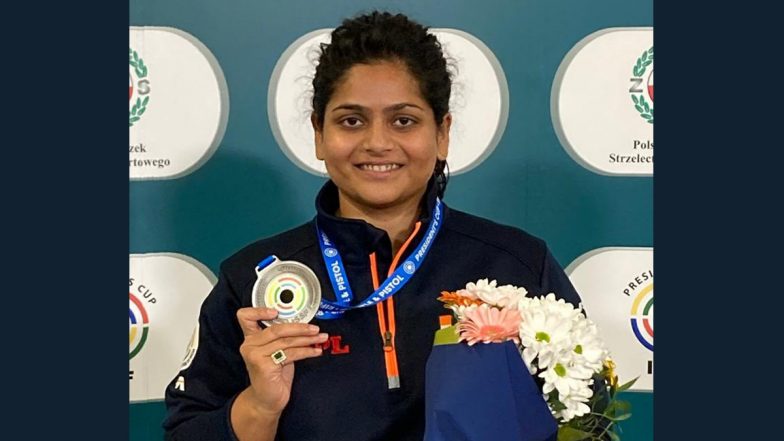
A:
x: 381, y: 120
x: 380, y: 143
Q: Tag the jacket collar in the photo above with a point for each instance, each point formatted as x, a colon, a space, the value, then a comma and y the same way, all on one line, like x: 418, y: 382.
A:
x: 356, y: 239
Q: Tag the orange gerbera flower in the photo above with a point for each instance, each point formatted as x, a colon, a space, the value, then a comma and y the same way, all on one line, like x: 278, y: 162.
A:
x: 453, y: 298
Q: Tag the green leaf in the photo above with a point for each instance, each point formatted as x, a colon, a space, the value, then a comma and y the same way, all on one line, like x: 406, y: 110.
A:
x: 446, y: 336
x: 133, y: 119
x: 556, y: 405
x: 144, y: 103
x: 625, y: 416
x: 634, y: 98
x: 639, y: 109
x: 566, y: 433
x: 623, y: 406
x: 631, y: 382
x: 141, y: 112
x: 614, y: 436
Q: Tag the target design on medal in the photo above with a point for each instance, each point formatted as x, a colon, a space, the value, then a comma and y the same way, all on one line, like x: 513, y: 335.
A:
x: 287, y: 293
x: 289, y: 287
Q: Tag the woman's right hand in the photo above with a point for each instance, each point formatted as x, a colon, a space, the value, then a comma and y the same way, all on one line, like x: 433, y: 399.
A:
x: 270, y: 383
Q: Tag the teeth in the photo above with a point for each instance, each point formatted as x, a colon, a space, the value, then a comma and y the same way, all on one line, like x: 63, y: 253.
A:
x: 380, y: 167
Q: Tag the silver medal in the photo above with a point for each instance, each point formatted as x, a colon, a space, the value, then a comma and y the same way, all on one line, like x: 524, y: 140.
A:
x: 289, y: 287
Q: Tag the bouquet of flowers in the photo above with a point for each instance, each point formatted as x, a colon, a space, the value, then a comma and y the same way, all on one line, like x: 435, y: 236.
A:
x: 559, y: 346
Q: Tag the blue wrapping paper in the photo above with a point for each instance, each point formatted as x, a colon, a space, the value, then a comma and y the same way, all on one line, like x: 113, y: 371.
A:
x: 483, y: 392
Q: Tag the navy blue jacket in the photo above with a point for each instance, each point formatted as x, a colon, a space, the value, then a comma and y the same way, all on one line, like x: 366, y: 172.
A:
x: 343, y: 394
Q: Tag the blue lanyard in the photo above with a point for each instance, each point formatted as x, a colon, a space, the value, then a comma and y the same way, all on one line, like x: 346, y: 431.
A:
x: 394, y: 283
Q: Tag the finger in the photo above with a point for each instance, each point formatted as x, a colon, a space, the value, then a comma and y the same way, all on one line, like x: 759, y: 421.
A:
x: 287, y: 343
x: 281, y: 330
x: 297, y: 354
x: 248, y: 318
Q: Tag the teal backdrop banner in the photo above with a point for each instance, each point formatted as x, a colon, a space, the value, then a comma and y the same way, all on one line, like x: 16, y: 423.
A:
x: 193, y: 208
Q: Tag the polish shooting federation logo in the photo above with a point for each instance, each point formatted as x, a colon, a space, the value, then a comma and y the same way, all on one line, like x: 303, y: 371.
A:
x: 138, y: 87
x: 330, y: 252
x: 642, y: 317
x: 409, y: 267
x: 642, y: 73
x: 139, y: 326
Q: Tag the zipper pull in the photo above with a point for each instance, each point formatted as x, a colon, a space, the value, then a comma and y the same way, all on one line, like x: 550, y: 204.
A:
x: 387, y: 341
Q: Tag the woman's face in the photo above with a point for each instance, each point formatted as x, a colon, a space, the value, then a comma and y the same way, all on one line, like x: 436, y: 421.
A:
x: 380, y: 140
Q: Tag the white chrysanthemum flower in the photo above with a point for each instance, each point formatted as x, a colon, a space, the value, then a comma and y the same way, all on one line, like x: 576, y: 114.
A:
x: 561, y: 346
x: 567, y: 379
x: 560, y: 307
x: 576, y: 405
x: 577, y: 398
x: 543, y: 334
x: 460, y: 310
x: 504, y: 296
x: 588, y: 348
x: 466, y: 293
x: 480, y: 290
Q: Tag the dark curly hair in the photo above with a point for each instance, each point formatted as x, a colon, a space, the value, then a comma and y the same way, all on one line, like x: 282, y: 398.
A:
x: 381, y: 36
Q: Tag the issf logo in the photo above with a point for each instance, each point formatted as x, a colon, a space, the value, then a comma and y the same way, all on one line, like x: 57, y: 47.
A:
x: 642, y: 317
x: 139, y: 326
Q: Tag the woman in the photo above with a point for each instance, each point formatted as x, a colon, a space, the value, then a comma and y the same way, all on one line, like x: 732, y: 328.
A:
x: 381, y: 120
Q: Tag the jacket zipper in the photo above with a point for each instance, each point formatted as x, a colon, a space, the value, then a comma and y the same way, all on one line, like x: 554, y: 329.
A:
x: 388, y: 330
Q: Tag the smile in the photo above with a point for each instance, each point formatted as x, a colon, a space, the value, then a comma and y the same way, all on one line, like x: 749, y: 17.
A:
x: 379, y: 167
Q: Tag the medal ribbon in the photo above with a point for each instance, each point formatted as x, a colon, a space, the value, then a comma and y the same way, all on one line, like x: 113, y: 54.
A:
x: 394, y: 283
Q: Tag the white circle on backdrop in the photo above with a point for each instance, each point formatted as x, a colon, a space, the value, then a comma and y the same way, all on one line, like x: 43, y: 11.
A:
x: 170, y: 289
x: 185, y: 119
x: 592, y: 103
x: 611, y: 282
x: 479, y: 102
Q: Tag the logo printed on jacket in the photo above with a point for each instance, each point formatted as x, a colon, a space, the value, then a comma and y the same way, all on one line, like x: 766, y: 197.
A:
x: 335, y: 345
